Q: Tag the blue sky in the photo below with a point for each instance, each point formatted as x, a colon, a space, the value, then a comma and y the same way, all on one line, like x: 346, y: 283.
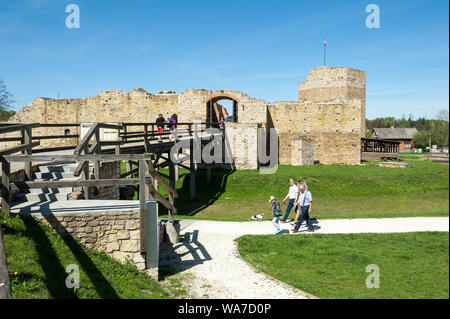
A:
x: 263, y: 48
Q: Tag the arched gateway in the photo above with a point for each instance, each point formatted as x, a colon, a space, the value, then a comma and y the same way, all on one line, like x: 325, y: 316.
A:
x: 215, y: 112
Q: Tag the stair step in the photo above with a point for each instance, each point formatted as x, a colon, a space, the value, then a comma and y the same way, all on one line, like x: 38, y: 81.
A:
x: 61, y: 190
x: 54, y: 175
x: 40, y: 197
x: 57, y: 172
x: 57, y: 168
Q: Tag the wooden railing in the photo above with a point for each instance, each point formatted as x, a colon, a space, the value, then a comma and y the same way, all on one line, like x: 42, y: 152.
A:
x: 147, y: 176
x: 25, y: 147
x: 28, y: 142
x: 89, y: 149
x: 85, y: 148
x: 379, y: 146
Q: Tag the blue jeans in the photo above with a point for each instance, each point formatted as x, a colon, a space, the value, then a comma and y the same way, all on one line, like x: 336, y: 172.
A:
x: 288, y: 209
x: 275, y: 223
x: 304, y: 216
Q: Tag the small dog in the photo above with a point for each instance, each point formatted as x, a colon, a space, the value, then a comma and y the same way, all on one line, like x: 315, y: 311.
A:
x: 258, y: 217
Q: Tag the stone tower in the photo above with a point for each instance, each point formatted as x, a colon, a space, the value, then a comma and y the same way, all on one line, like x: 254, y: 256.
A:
x: 338, y: 86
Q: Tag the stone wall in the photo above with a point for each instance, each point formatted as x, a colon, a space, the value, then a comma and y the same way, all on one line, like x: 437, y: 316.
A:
x: 335, y: 130
x: 193, y: 105
x: 338, y: 86
x: 330, y: 110
x: 241, y: 140
x: 114, y: 232
x: 108, y: 170
x: 302, y: 151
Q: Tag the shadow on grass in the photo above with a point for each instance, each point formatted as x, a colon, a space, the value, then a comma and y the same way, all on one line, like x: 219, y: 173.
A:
x: 54, y: 271
x: 101, y: 284
x: 206, y: 193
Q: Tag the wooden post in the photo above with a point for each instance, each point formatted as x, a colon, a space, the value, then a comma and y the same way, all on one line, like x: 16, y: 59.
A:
x: 26, y: 140
x: 124, y: 133
x: 86, y: 173
x: 142, y: 207
x: 148, y: 186
x: 192, y: 172
x: 6, y: 194
x: 172, y: 184
x: 176, y: 172
x: 146, y: 146
x: 155, y: 182
x: 97, y: 151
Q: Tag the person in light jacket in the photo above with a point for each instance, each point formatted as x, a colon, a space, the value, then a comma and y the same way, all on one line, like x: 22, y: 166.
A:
x: 304, y: 204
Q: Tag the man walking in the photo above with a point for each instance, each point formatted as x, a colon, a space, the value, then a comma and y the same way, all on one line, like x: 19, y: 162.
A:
x: 292, y: 196
x: 305, y: 202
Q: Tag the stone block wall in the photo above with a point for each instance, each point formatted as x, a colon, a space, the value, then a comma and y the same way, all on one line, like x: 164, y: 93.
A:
x: 331, y: 110
x: 338, y: 86
x: 335, y: 130
x: 108, y: 170
x: 114, y: 232
x: 241, y: 141
x: 302, y: 151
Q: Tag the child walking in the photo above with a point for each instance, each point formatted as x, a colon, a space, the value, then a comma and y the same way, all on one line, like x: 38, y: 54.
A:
x: 276, y: 213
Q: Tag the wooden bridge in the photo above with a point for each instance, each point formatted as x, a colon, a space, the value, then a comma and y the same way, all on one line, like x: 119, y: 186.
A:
x: 138, y: 144
x: 145, y: 148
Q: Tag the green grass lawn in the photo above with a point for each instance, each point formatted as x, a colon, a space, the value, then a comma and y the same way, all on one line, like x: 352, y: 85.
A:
x: 38, y: 257
x: 339, y: 191
x: 412, y: 265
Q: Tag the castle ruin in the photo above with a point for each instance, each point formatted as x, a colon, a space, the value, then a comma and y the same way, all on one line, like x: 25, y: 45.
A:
x: 324, y: 126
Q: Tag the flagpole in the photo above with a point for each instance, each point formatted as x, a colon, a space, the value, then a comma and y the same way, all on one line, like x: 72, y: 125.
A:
x: 324, y: 54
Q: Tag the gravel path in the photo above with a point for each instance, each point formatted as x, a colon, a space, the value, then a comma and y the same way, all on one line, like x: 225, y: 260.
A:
x: 212, y: 267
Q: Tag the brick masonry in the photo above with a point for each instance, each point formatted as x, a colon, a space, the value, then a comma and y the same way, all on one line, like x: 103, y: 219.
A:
x: 302, y: 151
x: 330, y: 110
x: 114, y: 232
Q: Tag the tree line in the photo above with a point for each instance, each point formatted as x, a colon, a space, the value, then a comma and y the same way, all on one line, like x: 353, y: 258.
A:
x: 437, y: 128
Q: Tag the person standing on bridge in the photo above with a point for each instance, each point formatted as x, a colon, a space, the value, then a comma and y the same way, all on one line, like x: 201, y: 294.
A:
x: 173, y: 120
x: 160, y: 125
x: 292, y: 195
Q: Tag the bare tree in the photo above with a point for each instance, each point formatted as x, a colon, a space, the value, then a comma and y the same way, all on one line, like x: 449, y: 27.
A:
x: 5, y: 97
x: 442, y: 115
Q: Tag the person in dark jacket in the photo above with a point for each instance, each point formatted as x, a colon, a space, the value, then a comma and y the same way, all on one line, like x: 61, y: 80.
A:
x: 276, y: 213
x: 160, y: 125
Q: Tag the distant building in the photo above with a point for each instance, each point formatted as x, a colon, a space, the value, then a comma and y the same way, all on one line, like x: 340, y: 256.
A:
x: 402, y: 135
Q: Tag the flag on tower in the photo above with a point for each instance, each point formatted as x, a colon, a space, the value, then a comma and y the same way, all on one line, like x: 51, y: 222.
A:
x: 324, y: 42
